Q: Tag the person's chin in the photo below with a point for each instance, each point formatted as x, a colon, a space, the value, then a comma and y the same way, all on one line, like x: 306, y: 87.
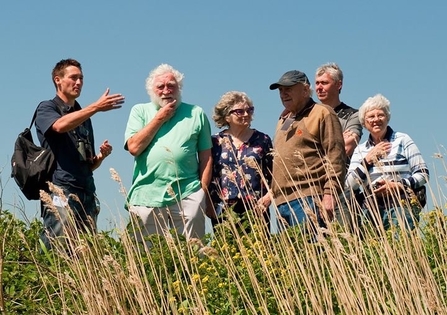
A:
x: 289, y: 105
x: 322, y: 98
x: 161, y: 102
x: 165, y: 101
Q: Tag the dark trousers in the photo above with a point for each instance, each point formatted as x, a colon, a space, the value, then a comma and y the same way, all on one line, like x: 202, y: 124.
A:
x: 56, y: 217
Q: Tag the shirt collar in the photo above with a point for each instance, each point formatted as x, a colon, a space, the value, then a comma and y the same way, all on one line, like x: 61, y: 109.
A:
x: 309, y: 105
x: 339, y: 107
x: 388, y: 135
x: 66, y: 108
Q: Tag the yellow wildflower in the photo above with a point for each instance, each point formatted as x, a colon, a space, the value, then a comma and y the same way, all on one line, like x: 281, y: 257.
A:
x: 195, y: 277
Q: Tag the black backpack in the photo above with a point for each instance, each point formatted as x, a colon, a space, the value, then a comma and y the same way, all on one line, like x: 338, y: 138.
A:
x: 31, y: 166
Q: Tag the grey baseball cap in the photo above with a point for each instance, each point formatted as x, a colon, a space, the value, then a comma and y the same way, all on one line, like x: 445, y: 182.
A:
x: 290, y: 78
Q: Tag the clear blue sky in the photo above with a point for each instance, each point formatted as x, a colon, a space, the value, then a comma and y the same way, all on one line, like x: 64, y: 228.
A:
x: 397, y: 48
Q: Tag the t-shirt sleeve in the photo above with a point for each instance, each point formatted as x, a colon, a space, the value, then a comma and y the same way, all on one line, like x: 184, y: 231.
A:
x: 135, y: 123
x: 354, y: 125
x: 47, y: 114
x: 204, y: 139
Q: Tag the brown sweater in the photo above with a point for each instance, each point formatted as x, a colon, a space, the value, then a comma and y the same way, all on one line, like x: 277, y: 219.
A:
x: 309, y: 157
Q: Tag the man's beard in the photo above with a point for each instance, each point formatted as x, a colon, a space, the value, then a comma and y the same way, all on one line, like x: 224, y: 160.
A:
x: 163, y: 102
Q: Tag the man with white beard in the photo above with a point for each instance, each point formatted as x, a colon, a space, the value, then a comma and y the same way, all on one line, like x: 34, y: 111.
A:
x: 171, y: 143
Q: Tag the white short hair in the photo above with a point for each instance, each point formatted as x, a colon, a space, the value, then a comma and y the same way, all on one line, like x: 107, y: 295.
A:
x: 377, y: 101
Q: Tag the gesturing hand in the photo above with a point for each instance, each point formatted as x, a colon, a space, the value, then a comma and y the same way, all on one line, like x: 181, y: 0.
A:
x: 109, y: 101
x: 105, y: 150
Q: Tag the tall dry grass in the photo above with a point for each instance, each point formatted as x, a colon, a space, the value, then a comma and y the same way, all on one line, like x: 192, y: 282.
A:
x: 339, y: 269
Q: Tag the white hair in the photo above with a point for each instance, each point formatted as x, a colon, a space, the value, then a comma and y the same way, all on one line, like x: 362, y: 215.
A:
x: 377, y: 101
x: 160, y: 70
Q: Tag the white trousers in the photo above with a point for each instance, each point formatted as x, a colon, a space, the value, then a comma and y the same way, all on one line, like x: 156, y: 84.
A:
x: 187, y: 217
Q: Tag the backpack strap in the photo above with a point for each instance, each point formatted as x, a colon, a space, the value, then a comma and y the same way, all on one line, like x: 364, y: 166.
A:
x: 59, y: 104
x: 59, y: 109
x: 34, y: 118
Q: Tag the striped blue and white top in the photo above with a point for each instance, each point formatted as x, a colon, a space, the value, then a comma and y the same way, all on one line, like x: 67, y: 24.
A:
x: 404, y: 163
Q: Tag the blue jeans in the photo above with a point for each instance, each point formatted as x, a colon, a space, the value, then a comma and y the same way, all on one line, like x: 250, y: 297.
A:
x: 84, y: 213
x: 391, y: 217
x: 292, y: 213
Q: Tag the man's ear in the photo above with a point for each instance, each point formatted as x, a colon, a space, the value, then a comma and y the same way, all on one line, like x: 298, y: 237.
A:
x: 307, y: 90
x: 57, y: 80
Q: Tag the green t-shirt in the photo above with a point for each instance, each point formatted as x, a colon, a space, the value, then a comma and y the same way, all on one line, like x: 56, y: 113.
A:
x: 170, y: 160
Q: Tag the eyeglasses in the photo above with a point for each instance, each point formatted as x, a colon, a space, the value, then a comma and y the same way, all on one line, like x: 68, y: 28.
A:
x: 240, y: 112
x: 371, y: 118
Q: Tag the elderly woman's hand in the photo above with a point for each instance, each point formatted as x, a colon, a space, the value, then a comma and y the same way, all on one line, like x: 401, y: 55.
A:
x: 380, y: 151
x: 384, y: 187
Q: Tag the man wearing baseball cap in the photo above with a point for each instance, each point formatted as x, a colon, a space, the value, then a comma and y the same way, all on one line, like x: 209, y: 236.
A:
x: 309, y: 163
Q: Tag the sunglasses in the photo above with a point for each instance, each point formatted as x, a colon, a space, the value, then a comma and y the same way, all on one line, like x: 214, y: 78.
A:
x: 240, y: 112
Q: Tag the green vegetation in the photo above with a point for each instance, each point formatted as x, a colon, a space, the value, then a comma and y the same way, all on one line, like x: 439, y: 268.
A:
x: 236, y: 273
x: 335, y: 271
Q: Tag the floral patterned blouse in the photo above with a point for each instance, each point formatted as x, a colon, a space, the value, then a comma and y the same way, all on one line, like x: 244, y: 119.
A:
x: 236, y: 171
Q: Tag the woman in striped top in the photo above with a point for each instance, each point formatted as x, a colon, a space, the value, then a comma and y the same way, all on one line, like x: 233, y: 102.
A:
x: 389, y: 168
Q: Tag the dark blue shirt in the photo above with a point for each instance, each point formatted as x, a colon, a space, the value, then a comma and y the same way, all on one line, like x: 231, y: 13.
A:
x: 235, y: 174
x: 72, y: 169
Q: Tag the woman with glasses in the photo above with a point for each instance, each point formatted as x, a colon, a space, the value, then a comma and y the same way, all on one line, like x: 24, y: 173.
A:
x: 389, y: 168
x: 242, y: 161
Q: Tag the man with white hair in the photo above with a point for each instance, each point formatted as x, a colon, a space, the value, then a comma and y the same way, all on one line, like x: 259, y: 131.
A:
x: 171, y: 143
